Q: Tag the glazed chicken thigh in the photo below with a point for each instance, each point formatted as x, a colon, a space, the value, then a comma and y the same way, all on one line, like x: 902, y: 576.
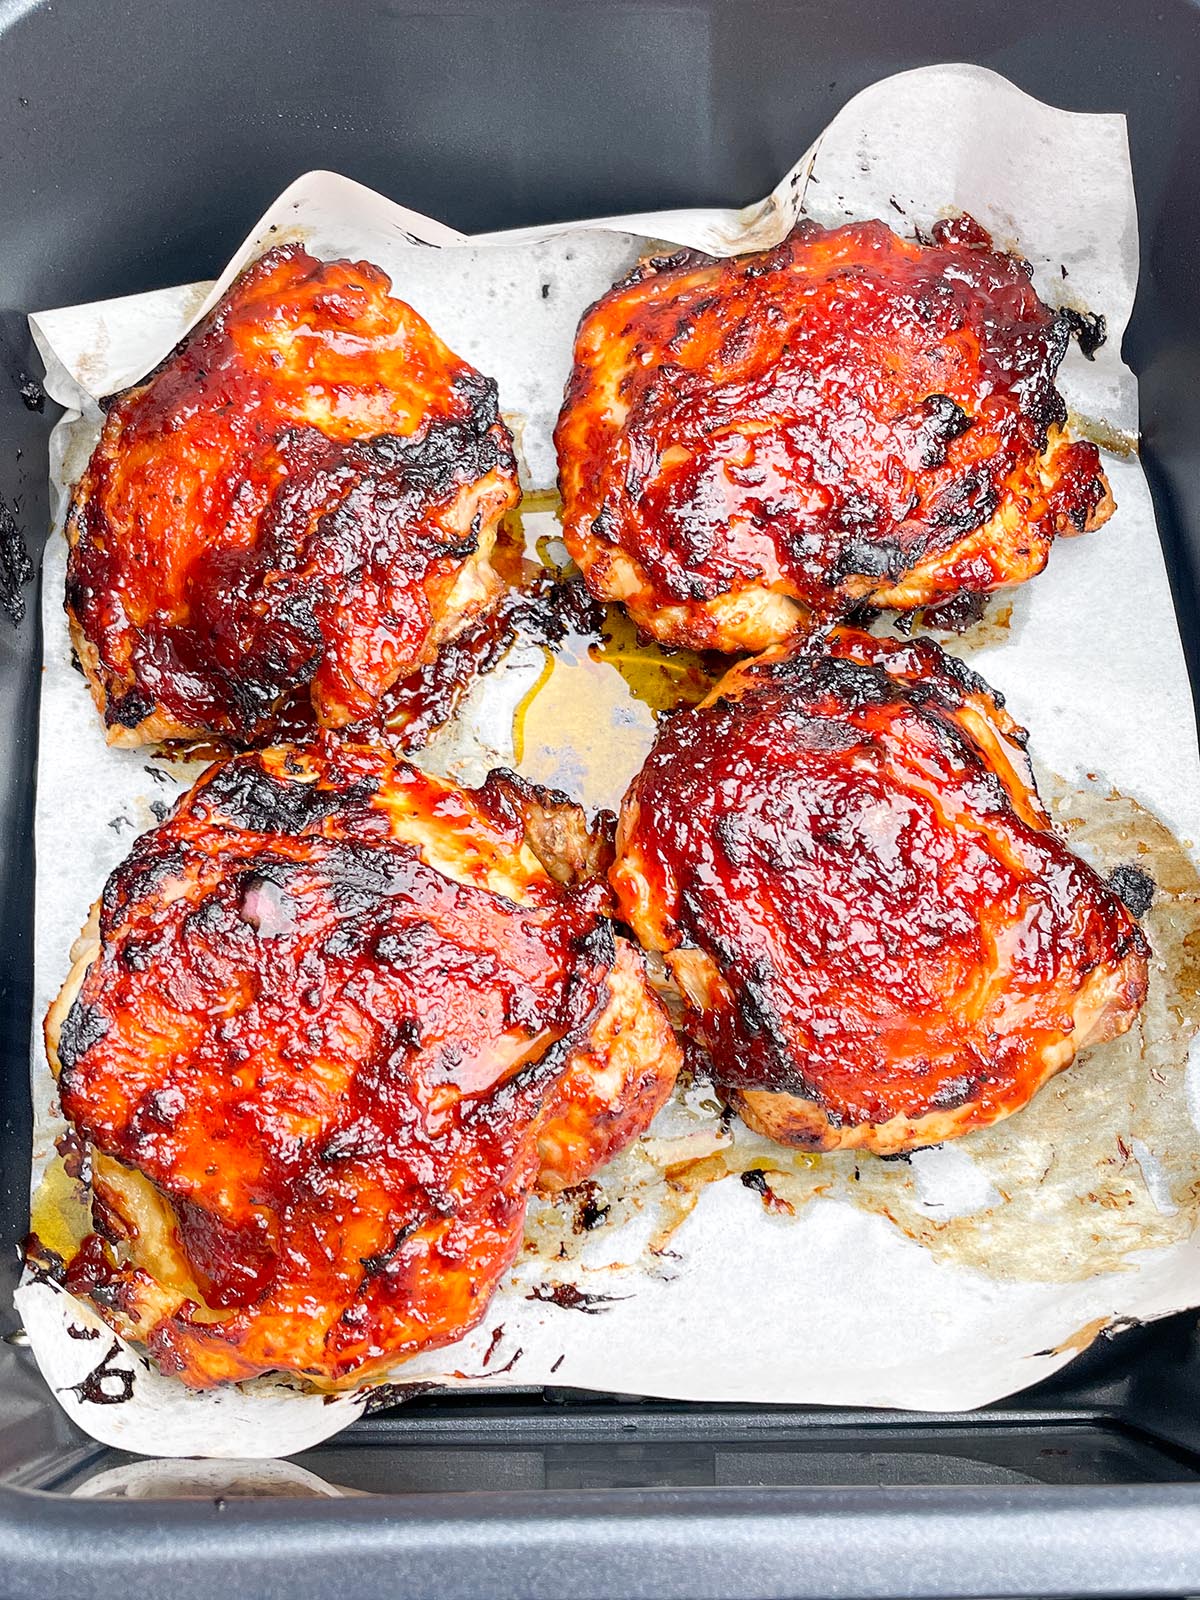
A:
x: 331, y: 1023
x: 289, y: 516
x: 879, y: 938
x: 751, y: 446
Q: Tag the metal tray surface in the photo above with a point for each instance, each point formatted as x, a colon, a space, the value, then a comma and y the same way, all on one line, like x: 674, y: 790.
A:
x: 498, y: 113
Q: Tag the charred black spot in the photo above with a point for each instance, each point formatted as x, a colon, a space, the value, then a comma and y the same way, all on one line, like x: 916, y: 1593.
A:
x: 128, y: 709
x: 346, y: 942
x: 407, y: 1034
x: 361, y: 875
x: 84, y: 1027
x: 941, y: 420
x: 1134, y: 886
x: 43, y: 1264
x: 861, y: 556
x: 953, y: 1093
x: 755, y: 1178
x: 360, y: 1140
x: 249, y: 797
x: 965, y: 504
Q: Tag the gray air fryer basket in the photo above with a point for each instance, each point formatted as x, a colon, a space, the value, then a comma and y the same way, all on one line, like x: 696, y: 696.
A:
x: 141, y: 139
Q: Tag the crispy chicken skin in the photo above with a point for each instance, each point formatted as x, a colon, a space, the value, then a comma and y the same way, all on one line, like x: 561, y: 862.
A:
x: 330, y: 1024
x: 751, y: 446
x: 294, y: 511
x: 879, y: 938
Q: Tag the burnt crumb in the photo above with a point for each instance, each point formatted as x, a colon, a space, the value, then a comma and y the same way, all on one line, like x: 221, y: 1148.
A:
x: 895, y: 204
x: 591, y: 1210
x: 956, y: 615
x: 157, y: 774
x: 76, y: 1330
x: 1135, y: 887
x: 119, y: 823
x: 559, y: 1362
x: 32, y: 394
x: 76, y: 664
x: 105, y: 1385
x: 497, y: 1335
x: 545, y: 291
x: 16, y: 568
x: 160, y: 810
x: 1063, y: 270
x: 897, y: 1155
x: 570, y: 1298
x: 75, y: 1155
x: 1089, y: 328
x: 755, y: 1178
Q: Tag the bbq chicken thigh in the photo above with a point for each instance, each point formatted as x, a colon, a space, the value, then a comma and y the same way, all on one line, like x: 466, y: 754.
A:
x: 289, y: 516
x: 749, y: 447
x: 331, y: 1023
x: 879, y: 938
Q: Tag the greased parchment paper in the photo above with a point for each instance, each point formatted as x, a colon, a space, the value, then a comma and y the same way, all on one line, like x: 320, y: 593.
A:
x: 943, y: 1281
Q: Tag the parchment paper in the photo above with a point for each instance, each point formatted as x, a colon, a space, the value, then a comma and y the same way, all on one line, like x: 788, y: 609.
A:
x: 942, y: 1282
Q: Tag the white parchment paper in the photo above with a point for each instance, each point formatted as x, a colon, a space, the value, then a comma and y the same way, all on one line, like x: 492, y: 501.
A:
x: 864, y: 1283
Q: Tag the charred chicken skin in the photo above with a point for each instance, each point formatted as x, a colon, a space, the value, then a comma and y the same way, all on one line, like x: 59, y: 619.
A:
x: 330, y: 1024
x: 751, y: 446
x: 291, y: 514
x: 879, y: 938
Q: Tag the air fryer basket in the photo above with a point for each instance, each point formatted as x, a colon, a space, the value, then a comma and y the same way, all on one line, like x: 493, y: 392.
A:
x: 140, y: 140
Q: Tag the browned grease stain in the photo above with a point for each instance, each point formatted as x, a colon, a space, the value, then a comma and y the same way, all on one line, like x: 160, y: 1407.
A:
x: 1071, y: 1199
